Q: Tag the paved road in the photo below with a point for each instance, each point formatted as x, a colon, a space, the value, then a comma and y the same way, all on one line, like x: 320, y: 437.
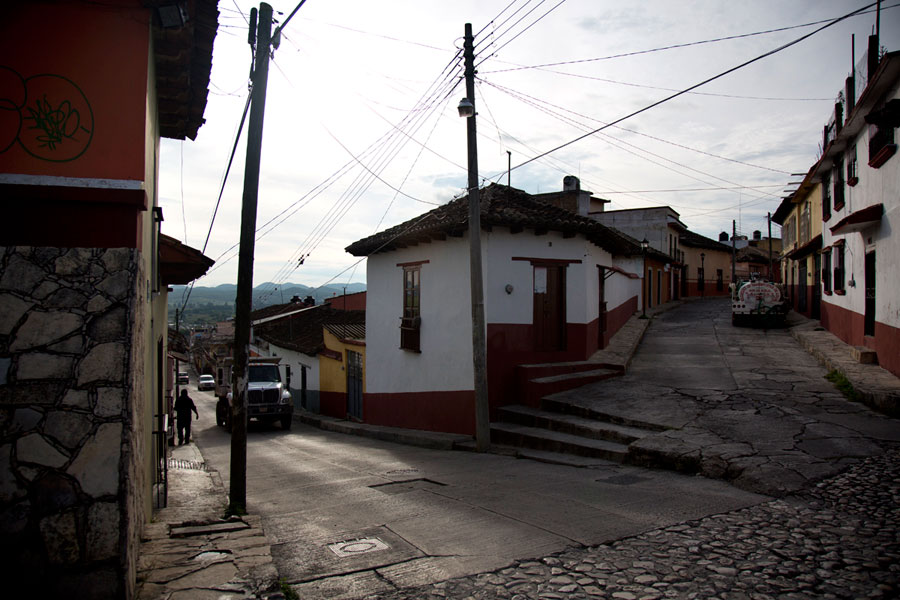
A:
x: 742, y: 404
x: 747, y: 404
x: 441, y: 514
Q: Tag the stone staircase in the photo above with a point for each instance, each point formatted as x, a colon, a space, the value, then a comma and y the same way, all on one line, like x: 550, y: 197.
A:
x: 551, y: 430
x: 534, y: 382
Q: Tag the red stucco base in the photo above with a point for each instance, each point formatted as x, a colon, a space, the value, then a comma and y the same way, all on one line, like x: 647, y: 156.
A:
x: 451, y: 412
x: 333, y: 404
x: 849, y: 326
x: 509, y: 345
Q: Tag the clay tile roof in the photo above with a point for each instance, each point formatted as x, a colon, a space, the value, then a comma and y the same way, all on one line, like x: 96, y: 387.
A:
x: 695, y: 240
x: 500, y: 206
x: 183, y: 65
x: 302, y: 332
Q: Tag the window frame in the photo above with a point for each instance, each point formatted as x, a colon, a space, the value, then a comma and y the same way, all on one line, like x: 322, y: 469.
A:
x: 840, y: 280
x: 411, y: 300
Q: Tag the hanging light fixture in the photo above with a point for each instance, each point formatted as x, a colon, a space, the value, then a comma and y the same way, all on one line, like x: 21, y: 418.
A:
x: 466, y: 108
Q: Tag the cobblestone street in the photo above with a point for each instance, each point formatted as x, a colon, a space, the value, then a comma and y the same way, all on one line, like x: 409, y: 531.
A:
x: 839, y: 539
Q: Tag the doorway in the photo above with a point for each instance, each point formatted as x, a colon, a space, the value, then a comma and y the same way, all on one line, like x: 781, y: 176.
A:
x: 601, y: 313
x: 549, y: 316
x: 817, y: 287
x: 354, y: 384
x: 869, y: 325
x: 801, y: 287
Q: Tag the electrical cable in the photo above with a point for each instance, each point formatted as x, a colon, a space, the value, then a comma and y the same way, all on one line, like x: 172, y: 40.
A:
x: 515, y: 93
x: 697, y: 85
x: 535, y: 22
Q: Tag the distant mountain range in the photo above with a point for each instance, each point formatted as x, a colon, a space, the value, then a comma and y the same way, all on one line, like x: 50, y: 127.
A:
x: 210, y: 304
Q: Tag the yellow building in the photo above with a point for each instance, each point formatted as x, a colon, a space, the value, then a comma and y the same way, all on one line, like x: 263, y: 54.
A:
x: 342, y: 364
x: 800, y: 217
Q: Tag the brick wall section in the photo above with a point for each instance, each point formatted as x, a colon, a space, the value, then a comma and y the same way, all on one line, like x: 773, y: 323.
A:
x: 68, y: 414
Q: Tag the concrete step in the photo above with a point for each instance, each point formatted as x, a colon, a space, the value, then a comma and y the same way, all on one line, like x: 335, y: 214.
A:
x: 572, y: 424
x: 533, y: 371
x: 522, y: 436
x: 561, y: 406
x: 535, y: 389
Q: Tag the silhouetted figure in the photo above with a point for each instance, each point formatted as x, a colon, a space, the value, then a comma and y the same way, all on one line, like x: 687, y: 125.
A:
x: 183, y: 407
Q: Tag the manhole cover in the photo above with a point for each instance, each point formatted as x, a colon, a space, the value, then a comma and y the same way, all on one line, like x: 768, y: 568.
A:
x: 357, y: 547
x: 399, y: 487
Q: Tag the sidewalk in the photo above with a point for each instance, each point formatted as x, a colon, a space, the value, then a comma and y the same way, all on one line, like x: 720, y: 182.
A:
x: 190, y: 552
x: 876, y: 387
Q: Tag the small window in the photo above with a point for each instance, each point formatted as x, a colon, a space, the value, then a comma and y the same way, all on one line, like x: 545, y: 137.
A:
x: 839, y: 184
x: 852, y: 168
x: 410, y: 322
x: 826, y: 196
x: 839, y: 268
x: 881, y: 134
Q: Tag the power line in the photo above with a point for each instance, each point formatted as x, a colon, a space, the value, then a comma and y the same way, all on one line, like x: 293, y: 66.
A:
x: 533, y: 23
x: 516, y: 93
x: 671, y: 47
x: 697, y: 85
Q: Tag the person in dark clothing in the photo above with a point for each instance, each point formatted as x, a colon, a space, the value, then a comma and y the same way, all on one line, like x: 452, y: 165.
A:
x: 183, y: 407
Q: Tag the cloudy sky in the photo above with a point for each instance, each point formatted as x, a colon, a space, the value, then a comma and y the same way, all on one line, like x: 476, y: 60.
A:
x: 362, y: 133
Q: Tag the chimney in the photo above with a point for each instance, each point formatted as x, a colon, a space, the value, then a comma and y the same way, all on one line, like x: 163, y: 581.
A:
x: 295, y: 300
x: 571, y: 183
x: 757, y: 235
x: 723, y: 237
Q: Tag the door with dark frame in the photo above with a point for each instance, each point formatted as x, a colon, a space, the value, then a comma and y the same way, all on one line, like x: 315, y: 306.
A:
x: 549, y: 308
x: 869, y: 324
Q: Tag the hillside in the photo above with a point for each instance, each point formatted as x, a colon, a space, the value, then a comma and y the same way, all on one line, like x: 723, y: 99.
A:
x: 211, y: 304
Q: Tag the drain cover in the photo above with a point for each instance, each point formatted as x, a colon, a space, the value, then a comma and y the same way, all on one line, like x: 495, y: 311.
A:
x: 399, y: 487
x: 357, y: 547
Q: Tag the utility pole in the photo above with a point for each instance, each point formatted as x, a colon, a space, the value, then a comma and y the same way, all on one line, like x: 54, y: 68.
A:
x: 259, y: 78
x: 733, y: 251
x: 771, y: 272
x: 482, y: 412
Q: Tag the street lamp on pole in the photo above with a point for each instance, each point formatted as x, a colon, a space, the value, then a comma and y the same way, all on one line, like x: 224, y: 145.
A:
x: 644, y: 245
x: 467, y: 110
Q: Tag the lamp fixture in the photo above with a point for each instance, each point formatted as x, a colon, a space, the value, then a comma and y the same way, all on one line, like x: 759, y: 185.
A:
x: 466, y: 108
x: 645, y: 244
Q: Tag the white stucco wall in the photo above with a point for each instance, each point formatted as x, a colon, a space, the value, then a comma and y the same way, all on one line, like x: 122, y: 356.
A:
x: 582, y: 287
x: 875, y: 186
x: 619, y: 287
x: 445, y: 360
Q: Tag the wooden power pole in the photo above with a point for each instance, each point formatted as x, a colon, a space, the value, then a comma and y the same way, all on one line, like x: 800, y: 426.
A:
x: 259, y: 78
x: 482, y: 412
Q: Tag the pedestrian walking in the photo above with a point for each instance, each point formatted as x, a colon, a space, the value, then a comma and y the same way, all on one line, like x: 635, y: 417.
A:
x: 183, y: 407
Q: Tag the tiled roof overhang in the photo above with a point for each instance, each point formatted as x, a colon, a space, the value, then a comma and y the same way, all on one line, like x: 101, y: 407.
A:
x: 180, y: 264
x: 501, y: 206
x: 183, y: 65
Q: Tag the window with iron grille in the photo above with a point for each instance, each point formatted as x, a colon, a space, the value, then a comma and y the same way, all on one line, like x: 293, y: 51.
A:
x: 826, y: 196
x: 826, y: 271
x: 410, y: 323
x: 839, y: 268
x: 839, y: 184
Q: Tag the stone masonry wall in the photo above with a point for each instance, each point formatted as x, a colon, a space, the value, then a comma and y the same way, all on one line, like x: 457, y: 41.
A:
x: 66, y: 420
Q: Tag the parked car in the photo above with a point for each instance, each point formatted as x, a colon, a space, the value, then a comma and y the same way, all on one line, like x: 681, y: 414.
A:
x: 206, y: 382
x: 183, y: 378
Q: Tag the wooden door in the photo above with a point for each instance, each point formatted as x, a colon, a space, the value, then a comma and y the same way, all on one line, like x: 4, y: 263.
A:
x: 549, y: 308
x: 354, y: 384
x: 869, y: 324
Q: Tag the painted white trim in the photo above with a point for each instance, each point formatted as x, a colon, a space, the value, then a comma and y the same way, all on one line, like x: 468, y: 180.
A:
x: 72, y: 182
